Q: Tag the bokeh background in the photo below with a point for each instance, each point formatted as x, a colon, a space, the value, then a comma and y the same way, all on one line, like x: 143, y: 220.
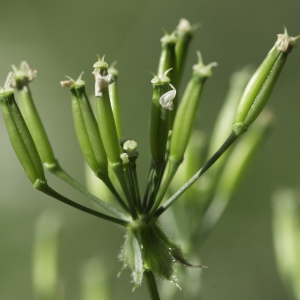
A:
x: 61, y: 38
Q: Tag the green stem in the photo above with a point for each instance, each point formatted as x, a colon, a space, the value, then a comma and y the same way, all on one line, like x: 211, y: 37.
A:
x: 131, y: 187
x: 46, y: 189
x: 230, y: 140
x: 118, y: 169
x: 59, y: 172
x: 152, y: 287
x: 172, y: 168
x: 105, y: 178
x: 149, y: 184
x: 233, y: 172
x: 136, y: 186
x: 158, y: 170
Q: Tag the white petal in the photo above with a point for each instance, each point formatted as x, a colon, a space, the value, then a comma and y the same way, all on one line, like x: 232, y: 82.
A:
x: 166, y: 100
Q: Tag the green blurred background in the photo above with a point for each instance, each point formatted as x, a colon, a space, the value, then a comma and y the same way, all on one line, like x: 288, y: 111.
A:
x: 61, y: 38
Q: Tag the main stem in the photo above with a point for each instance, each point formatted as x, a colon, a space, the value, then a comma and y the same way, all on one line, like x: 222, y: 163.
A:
x: 151, y: 284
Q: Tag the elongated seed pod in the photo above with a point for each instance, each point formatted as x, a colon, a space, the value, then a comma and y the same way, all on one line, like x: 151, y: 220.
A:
x: 184, y: 33
x: 261, y: 84
x: 114, y: 98
x: 161, y: 108
x: 22, y: 77
x: 186, y: 113
x: 20, y: 137
x: 91, y: 144
x: 183, y: 125
x: 167, y: 58
x: 105, y: 117
x: 159, y: 124
x: 107, y: 128
x: 167, y: 62
x: 86, y: 128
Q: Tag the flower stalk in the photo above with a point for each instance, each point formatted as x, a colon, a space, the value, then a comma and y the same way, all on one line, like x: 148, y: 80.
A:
x: 43, y: 187
x: 234, y: 170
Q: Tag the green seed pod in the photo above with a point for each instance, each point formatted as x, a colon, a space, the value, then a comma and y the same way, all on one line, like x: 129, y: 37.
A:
x: 167, y: 58
x: 21, y: 80
x: 186, y: 113
x: 105, y: 117
x: 184, y: 33
x: 86, y: 127
x: 20, y: 137
x: 161, y: 109
x: 261, y: 84
x: 168, y: 62
x: 159, y: 125
x: 114, y: 98
x: 183, y: 125
x: 107, y: 127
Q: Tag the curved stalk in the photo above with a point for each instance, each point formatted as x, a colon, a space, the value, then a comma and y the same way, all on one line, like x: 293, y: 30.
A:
x: 59, y: 172
x: 230, y: 140
x: 43, y: 187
